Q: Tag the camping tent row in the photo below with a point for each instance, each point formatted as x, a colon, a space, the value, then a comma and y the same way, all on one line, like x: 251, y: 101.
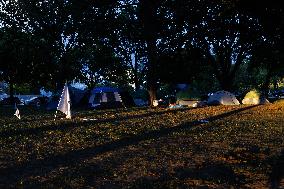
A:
x: 227, y: 98
x: 110, y: 97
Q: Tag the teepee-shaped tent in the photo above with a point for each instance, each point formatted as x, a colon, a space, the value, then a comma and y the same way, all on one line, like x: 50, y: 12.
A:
x: 64, y: 104
x: 222, y: 98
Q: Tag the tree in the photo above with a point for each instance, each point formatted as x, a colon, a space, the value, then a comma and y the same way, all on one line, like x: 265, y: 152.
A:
x: 180, y: 66
x: 102, y: 66
x: 14, y: 57
x: 42, y: 30
x: 150, y: 28
x: 227, y: 37
x: 97, y: 33
x: 56, y: 55
x: 131, y: 46
x: 267, y: 52
x: 14, y: 44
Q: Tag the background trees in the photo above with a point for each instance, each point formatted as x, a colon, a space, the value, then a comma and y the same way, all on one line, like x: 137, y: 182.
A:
x: 14, y: 55
x: 140, y: 42
x: 267, y: 52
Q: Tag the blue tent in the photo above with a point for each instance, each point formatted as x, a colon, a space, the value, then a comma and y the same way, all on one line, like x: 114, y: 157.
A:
x: 105, y: 90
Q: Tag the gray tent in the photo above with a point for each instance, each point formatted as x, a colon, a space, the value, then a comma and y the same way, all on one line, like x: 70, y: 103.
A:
x: 223, y: 98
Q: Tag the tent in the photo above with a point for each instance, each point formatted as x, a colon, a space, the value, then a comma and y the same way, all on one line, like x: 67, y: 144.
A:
x: 254, y: 97
x: 222, y: 98
x: 76, y: 96
x: 110, y: 97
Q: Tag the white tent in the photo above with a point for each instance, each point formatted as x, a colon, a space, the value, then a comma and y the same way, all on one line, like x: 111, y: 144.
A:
x: 222, y: 98
x: 64, y: 104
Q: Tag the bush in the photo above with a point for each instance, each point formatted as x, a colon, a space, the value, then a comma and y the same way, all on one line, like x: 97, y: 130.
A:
x: 10, y: 101
x: 188, y: 94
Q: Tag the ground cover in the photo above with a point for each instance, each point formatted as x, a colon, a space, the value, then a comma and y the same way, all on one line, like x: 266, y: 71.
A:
x: 239, y: 147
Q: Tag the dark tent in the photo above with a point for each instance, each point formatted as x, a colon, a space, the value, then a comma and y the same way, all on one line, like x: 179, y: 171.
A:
x: 110, y: 97
x: 76, y: 96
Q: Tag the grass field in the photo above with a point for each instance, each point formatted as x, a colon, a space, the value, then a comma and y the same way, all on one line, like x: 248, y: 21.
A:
x: 240, y: 147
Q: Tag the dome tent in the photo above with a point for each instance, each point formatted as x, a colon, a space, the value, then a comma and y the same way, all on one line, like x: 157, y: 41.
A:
x: 222, y: 98
x: 254, y: 97
x: 109, y: 97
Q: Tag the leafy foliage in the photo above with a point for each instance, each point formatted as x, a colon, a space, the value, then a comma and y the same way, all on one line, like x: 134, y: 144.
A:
x: 188, y: 94
x: 141, y: 42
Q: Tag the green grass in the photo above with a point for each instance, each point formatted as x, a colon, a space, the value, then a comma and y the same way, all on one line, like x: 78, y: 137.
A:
x: 240, y: 147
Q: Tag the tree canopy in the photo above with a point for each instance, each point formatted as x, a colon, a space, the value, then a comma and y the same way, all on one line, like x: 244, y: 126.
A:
x: 139, y: 42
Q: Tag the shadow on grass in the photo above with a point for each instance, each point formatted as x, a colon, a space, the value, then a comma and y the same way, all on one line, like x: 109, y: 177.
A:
x: 34, y: 167
x: 277, y: 173
x: 107, y: 111
x: 215, y: 173
x: 69, y: 124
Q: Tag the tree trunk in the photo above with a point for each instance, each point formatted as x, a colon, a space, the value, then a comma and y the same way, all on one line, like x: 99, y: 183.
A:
x: 152, y: 86
x: 135, y: 72
x: 275, y: 84
x: 152, y: 75
x: 11, y: 91
x: 149, y: 22
x: 152, y: 93
x: 136, y: 82
x: 265, y: 86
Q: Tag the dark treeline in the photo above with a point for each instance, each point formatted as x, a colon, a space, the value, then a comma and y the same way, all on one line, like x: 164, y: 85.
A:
x: 231, y: 44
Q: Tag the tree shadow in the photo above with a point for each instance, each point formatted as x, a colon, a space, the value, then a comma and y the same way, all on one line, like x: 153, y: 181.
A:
x: 13, y: 173
x: 214, y: 172
x: 69, y: 124
x: 277, y: 173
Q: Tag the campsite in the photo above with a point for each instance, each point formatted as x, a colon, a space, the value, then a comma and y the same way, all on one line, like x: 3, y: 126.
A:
x: 118, y: 94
